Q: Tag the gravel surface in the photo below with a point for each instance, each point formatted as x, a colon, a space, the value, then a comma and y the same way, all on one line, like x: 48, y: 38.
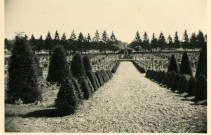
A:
x: 129, y: 102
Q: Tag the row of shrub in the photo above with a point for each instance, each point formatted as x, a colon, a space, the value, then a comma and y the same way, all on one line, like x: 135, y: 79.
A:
x: 81, y: 84
x: 115, y: 67
x: 181, y: 83
x: 140, y: 69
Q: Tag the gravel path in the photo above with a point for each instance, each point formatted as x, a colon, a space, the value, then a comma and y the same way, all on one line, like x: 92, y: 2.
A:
x: 129, y: 102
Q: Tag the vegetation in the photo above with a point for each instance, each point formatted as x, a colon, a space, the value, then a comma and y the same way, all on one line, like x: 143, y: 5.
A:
x: 173, y: 65
x: 58, y: 68
x: 22, y: 82
x: 202, y: 63
x: 185, y: 67
x: 77, y: 66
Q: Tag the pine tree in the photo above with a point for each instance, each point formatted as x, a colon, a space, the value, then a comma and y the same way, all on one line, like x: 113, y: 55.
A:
x: 22, y: 81
x: 58, y: 68
x: 48, y: 42
x: 56, y: 39
x: 112, y: 38
x: 96, y: 37
x: 40, y: 44
x: 32, y: 43
x: 146, y: 44
x: 105, y: 40
x: 173, y: 65
x: 80, y: 42
x: 170, y: 42
x: 64, y: 41
x: 72, y: 45
x: 185, y: 40
x: 154, y: 41
x: 202, y: 63
x: 200, y: 39
x: 193, y: 41
x: 162, y: 41
x: 185, y: 67
x: 176, y: 41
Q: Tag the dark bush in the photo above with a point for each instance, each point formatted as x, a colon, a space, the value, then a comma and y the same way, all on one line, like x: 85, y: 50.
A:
x: 200, y: 90
x: 67, y: 98
x: 202, y: 63
x: 90, y: 85
x: 185, y: 67
x: 93, y: 80
x: 173, y: 65
x: 171, y: 78
x: 85, y: 87
x: 22, y: 81
x: 78, y: 88
x: 77, y: 66
x: 115, y: 67
x: 182, y: 83
x: 140, y: 69
x: 87, y: 65
x: 58, y: 68
x: 99, y: 77
x: 105, y: 75
x: 190, y: 86
x: 96, y: 80
x: 174, y: 83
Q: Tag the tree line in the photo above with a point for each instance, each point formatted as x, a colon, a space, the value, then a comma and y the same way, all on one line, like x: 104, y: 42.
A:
x: 80, y: 43
x: 194, y: 41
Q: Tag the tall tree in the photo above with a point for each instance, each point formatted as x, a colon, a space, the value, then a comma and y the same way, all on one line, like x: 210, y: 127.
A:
x: 146, y: 44
x: 185, y: 40
x: 105, y: 40
x: 56, y: 39
x: 72, y: 44
x: 170, y: 42
x: 200, y: 39
x: 112, y: 38
x: 193, y: 41
x: 161, y: 41
x: 96, y: 37
x: 40, y: 44
x: 176, y: 40
x: 64, y: 41
x: 48, y: 42
x: 80, y: 42
x: 22, y: 81
x: 32, y: 42
x: 154, y: 41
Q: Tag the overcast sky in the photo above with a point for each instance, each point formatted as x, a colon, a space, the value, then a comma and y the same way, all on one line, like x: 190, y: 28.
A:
x: 124, y: 17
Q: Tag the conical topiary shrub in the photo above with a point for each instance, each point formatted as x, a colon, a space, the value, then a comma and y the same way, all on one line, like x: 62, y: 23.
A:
x: 77, y: 66
x: 174, y: 83
x: 96, y: 80
x: 200, y: 90
x: 190, y: 86
x: 173, y: 65
x: 90, y: 85
x: 171, y: 78
x: 87, y: 65
x: 67, y: 98
x: 99, y: 77
x: 78, y: 88
x: 93, y: 80
x: 202, y: 64
x: 58, y: 68
x: 85, y: 87
x: 22, y: 81
x: 185, y: 67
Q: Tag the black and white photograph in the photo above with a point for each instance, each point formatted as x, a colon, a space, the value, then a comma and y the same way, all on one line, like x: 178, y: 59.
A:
x: 105, y: 66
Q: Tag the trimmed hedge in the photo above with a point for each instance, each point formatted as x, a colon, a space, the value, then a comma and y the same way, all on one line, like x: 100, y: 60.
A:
x: 85, y: 87
x: 140, y: 69
x: 67, y: 98
x: 78, y: 88
x: 200, y: 90
x: 174, y: 83
x: 93, y: 80
x: 182, y: 83
x: 99, y: 77
x: 190, y: 86
x: 115, y: 67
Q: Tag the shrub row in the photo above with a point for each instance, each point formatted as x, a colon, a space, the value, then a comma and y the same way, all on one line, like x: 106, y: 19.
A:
x: 115, y: 67
x: 181, y: 83
x: 73, y: 91
x: 140, y: 69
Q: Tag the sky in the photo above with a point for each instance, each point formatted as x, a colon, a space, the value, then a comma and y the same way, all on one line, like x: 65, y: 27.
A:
x: 123, y: 17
